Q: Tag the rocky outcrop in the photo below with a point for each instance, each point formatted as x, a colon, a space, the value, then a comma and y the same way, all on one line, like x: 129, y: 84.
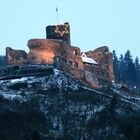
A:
x: 16, y: 56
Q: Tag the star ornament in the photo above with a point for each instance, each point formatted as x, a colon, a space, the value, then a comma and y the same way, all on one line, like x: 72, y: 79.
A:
x: 61, y: 29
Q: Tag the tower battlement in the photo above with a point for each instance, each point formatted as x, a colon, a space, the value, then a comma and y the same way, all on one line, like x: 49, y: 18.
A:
x: 60, y: 31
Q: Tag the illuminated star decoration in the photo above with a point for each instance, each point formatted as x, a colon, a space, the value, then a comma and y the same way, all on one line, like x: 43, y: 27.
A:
x: 61, y: 29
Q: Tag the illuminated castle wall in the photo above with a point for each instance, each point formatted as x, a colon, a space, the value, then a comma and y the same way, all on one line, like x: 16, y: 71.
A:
x: 91, y: 69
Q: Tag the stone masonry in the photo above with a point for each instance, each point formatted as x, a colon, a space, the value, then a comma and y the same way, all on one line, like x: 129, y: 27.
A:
x: 92, y: 68
x: 16, y: 56
x: 42, y: 51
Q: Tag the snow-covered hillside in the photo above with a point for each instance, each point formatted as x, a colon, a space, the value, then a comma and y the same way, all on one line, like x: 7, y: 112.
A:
x: 14, y: 88
x: 58, y: 107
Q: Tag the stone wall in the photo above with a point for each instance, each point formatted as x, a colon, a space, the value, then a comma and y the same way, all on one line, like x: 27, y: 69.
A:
x: 57, y: 50
x: 91, y: 79
x: 44, y: 50
x: 73, y: 57
x: 15, y: 56
x: 60, y: 31
x: 104, y: 59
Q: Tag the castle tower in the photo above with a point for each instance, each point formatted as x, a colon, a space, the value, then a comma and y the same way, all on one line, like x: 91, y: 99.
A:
x: 59, y: 31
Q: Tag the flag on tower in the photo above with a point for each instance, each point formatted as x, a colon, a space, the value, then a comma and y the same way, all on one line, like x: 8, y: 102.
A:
x: 56, y: 9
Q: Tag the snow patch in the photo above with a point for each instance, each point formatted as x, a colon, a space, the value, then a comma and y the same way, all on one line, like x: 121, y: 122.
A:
x: 88, y: 59
x: 56, y: 72
x: 11, y: 96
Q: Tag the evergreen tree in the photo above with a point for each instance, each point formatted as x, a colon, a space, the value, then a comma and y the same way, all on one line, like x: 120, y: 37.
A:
x: 137, y: 65
x: 121, y: 69
x: 116, y: 67
x: 129, y: 68
x: 2, y: 61
x: 126, y: 71
x: 137, y: 68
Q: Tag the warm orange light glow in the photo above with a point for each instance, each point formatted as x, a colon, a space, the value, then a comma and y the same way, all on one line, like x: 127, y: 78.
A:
x: 43, y: 56
x: 47, y: 57
x: 57, y: 30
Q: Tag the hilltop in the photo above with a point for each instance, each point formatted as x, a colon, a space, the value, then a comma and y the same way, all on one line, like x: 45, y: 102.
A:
x: 57, y: 107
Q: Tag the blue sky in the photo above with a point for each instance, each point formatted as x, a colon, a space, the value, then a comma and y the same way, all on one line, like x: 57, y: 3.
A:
x: 94, y: 23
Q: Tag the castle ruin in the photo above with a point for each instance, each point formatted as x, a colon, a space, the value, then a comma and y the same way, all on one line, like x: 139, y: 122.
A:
x: 92, y: 68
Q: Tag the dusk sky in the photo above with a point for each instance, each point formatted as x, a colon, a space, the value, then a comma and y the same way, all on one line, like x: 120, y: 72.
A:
x: 94, y: 23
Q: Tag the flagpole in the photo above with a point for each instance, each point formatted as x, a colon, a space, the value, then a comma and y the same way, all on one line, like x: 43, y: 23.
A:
x: 57, y: 15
